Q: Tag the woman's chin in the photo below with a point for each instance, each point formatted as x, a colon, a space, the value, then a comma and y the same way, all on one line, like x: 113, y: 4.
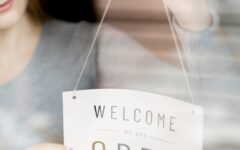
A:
x: 7, y: 21
x: 11, y: 15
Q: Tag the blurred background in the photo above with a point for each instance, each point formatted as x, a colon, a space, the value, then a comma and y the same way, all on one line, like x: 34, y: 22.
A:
x: 144, y: 20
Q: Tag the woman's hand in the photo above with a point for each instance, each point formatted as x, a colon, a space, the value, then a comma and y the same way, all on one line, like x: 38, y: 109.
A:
x: 48, y: 146
x: 193, y: 15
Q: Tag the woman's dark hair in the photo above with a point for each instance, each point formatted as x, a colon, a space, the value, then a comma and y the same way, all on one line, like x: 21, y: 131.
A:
x: 35, y: 9
x: 74, y: 10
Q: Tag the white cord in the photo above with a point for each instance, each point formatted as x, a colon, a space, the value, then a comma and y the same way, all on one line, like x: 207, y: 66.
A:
x: 175, y: 41
x: 179, y: 53
x: 92, y: 45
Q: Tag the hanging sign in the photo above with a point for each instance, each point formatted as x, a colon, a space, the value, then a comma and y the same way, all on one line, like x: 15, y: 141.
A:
x: 114, y: 119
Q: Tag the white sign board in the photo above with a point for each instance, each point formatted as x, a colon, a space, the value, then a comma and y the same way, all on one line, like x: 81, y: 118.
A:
x: 112, y: 119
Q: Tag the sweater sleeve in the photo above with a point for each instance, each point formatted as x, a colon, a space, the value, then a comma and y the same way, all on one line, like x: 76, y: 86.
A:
x: 207, y: 52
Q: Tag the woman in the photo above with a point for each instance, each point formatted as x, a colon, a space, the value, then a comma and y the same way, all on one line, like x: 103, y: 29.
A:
x: 39, y: 59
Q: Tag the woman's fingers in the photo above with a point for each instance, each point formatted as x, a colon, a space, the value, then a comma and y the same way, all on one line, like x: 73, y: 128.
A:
x: 49, y: 146
x: 191, y: 14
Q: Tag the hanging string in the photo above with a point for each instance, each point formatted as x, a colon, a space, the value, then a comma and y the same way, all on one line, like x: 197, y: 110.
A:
x: 174, y: 38
x: 92, y: 46
x: 179, y: 53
